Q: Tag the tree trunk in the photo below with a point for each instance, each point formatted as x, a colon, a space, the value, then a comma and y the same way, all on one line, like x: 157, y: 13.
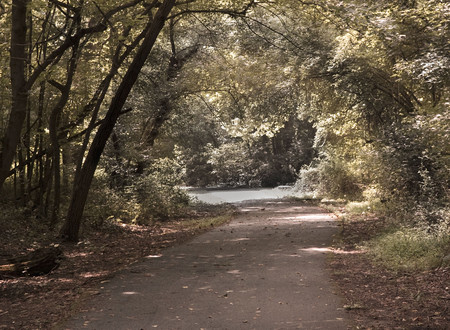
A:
x: 53, y: 127
x: 22, y: 190
x: 39, y: 146
x: 164, y: 109
x: 82, y: 185
x: 19, y: 93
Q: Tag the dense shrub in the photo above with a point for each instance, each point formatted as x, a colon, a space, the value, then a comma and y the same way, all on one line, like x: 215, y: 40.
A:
x: 411, y: 171
x: 159, y: 194
x: 329, y: 178
x: 151, y: 196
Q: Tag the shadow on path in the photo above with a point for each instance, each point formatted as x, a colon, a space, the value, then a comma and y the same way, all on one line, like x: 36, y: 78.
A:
x: 264, y: 270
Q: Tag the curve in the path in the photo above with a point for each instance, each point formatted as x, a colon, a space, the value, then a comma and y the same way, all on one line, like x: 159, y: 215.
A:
x: 264, y: 270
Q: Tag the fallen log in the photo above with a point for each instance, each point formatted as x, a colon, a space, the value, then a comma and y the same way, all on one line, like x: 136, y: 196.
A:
x: 39, y: 262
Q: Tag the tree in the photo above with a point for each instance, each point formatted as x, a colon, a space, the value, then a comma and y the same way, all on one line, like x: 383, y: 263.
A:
x: 82, y: 183
x: 383, y: 82
x: 18, y: 89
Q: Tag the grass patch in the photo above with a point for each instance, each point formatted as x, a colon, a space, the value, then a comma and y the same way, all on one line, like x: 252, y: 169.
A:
x: 409, y: 249
x: 358, y: 207
x: 207, y: 222
x: 364, y: 207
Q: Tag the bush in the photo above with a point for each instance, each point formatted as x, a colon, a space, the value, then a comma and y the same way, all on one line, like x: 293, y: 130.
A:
x: 309, y: 181
x: 105, y: 203
x: 159, y: 200
x: 148, y: 197
x: 329, y: 178
x: 157, y: 192
x: 411, y: 170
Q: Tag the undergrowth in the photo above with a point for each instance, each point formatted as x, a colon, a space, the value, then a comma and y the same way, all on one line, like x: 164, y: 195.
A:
x: 409, y: 249
x: 402, y: 245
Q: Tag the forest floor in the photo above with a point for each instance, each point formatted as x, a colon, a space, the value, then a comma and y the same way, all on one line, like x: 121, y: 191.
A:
x: 378, y: 298
x: 41, y: 302
x: 375, y: 297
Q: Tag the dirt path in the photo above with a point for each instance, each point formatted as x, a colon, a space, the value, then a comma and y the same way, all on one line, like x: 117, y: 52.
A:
x: 264, y: 270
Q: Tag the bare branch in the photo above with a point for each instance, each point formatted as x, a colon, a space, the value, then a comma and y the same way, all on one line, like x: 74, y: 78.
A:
x: 64, y: 5
x: 232, y: 13
x: 71, y: 40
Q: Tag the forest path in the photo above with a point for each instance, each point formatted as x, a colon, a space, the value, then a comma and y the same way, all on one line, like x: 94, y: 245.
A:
x: 264, y: 270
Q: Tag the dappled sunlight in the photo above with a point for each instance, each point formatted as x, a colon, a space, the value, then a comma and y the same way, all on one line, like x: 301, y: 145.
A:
x: 78, y: 254
x: 36, y: 281
x: 153, y: 256
x: 319, y: 217
x: 285, y: 255
x: 94, y: 274
x: 208, y: 287
x: 317, y: 249
x: 251, y: 209
x: 238, y: 239
x: 331, y: 250
x: 340, y: 251
x: 64, y: 280
x: 219, y: 256
x: 130, y: 293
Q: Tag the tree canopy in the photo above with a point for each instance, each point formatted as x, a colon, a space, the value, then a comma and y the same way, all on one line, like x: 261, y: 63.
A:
x: 350, y: 97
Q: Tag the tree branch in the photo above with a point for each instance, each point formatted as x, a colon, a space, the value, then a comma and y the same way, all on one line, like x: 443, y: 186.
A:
x: 229, y: 12
x: 71, y: 138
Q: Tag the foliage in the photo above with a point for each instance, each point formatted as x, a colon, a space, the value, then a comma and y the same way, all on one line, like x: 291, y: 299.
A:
x: 261, y: 161
x: 380, y: 105
x: 329, y: 178
x: 238, y: 92
x: 143, y: 199
x: 158, y: 192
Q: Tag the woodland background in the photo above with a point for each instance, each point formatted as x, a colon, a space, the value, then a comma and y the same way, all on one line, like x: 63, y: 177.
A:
x: 106, y: 108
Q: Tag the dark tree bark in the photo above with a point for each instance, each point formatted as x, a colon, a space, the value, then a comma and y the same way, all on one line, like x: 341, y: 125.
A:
x: 53, y: 127
x: 19, y: 92
x: 70, y: 230
x: 164, y: 108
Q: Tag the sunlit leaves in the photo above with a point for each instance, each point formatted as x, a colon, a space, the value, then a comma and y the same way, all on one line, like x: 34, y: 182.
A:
x: 4, y: 63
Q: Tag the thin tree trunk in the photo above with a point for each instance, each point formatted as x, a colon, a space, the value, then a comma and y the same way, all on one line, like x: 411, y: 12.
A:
x: 27, y: 137
x: 65, y: 154
x: 53, y: 127
x: 39, y: 138
x: 116, y: 180
x: 164, y: 109
x: 39, y: 145
x: 22, y: 191
x: 47, y: 186
x: 82, y: 185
